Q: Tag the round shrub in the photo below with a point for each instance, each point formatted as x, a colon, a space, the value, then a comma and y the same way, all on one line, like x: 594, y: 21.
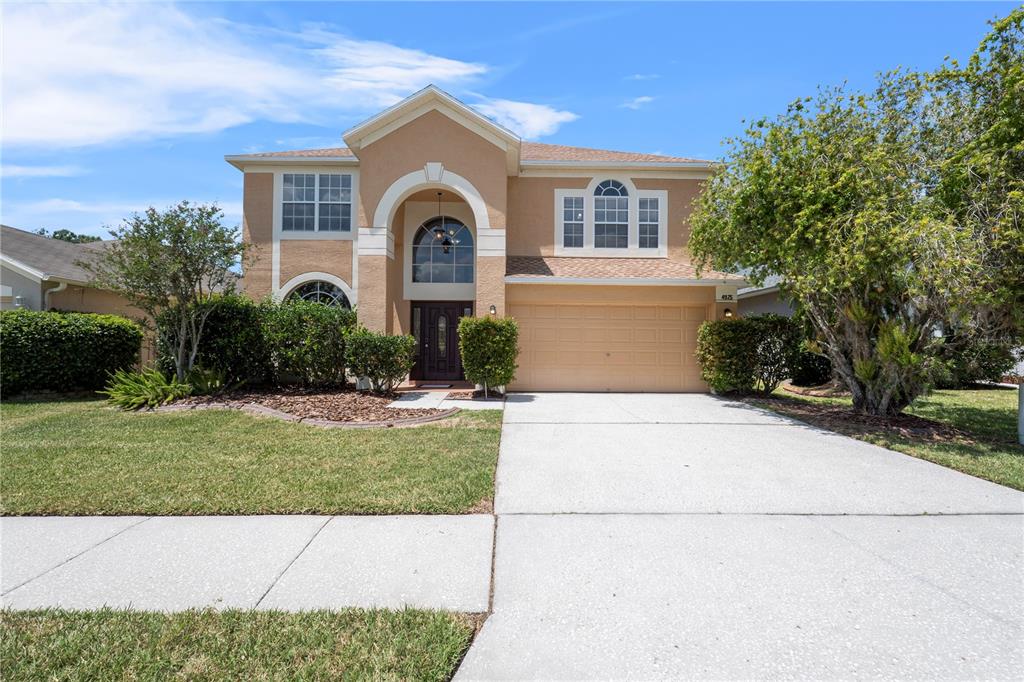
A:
x: 747, y: 354
x: 64, y: 351
x: 382, y: 359
x: 306, y: 341
x: 489, y: 347
x: 727, y: 353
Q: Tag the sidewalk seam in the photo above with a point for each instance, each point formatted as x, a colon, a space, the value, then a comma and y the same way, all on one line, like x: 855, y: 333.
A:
x: 295, y: 558
x: 72, y: 558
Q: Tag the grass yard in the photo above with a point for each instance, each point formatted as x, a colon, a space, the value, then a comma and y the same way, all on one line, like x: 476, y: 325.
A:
x: 84, y: 457
x: 237, y: 645
x: 982, y: 441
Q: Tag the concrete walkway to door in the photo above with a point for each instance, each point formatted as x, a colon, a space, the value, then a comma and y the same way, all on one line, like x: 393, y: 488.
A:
x: 683, y: 537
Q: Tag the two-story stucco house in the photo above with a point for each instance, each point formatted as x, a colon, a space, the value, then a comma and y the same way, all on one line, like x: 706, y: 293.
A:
x: 433, y: 212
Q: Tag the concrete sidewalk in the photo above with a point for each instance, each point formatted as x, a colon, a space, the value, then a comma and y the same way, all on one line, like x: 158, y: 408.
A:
x: 266, y: 562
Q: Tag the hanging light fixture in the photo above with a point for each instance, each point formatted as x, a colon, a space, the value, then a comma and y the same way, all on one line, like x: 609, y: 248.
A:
x: 439, y: 229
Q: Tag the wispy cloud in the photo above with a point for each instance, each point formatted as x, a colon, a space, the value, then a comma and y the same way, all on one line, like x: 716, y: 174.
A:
x: 94, y: 74
x: 15, y: 171
x: 91, y: 217
x: 637, y: 102
x: 523, y: 118
x: 643, y: 76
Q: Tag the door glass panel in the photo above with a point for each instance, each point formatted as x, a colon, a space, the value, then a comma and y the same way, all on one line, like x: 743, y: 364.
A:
x: 442, y: 335
x: 467, y: 312
x: 416, y: 325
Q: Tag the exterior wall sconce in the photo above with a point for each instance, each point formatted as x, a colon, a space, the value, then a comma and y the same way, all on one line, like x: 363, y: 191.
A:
x: 493, y: 310
x: 727, y: 312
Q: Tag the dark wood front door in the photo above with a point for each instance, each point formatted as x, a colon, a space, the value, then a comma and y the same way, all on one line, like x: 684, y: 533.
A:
x: 436, y: 328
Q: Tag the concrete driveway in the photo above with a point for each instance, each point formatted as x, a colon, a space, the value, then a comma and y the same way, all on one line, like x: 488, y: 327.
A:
x: 683, y: 536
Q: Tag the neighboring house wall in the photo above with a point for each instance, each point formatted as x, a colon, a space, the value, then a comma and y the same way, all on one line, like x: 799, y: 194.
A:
x: 768, y: 302
x: 29, y: 289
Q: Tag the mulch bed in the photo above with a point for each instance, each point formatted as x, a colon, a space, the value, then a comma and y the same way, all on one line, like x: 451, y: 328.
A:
x: 337, y: 405
x: 475, y: 395
x: 847, y: 422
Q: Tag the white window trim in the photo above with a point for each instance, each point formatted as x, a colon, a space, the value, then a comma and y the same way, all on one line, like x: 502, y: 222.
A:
x: 633, y: 250
x: 280, y: 233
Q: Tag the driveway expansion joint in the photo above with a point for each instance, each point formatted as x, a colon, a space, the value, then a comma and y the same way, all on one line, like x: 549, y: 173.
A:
x: 295, y: 558
x: 72, y: 558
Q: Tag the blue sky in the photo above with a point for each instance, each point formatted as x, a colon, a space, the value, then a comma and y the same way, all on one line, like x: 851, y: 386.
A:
x: 108, y: 109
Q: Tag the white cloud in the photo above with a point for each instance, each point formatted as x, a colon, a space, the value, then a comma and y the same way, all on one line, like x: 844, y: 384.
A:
x: 643, y: 76
x: 524, y: 118
x: 637, y: 102
x: 88, y: 74
x: 14, y: 171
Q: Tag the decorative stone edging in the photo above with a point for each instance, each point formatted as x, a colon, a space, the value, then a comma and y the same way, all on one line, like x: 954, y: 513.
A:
x: 264, y: 411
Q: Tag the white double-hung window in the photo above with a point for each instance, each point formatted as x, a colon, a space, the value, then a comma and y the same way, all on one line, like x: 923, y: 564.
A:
x: 316, y: 202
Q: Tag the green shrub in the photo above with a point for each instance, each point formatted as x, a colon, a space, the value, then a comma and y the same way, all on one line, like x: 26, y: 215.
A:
x: 63, y: 351
x: 232, y: 344
x: 306, y: 341
x: 206, y: 381
x: 148, y: 388
x: 778, y: 349
x: 979, y: 361
x: 727, y: 353
x: 811, y: 369
x: 748, y: 354
x: 382, y: 359
x: 489, y: 348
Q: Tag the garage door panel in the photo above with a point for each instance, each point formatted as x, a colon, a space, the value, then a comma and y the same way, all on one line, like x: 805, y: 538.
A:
x: 608, y: 347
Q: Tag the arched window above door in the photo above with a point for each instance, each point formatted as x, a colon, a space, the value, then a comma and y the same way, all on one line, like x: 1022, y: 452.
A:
x: 442, y: 252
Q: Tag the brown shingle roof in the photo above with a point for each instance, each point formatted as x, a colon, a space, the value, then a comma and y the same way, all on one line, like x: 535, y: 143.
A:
x: 530, y: 151
x: 538, y: 151
x: 541, y: 268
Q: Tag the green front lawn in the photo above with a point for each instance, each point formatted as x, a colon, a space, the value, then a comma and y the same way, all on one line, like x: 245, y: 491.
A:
x: 986, y: 446
x: 237, y: 645
x: 83, y: 457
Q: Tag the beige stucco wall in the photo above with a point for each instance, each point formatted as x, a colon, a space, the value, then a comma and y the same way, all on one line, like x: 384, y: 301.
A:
x: 258, y: 231
x: 299, y: 256
x: 373, y: 293
x: 490, y: 285
x: 531, y: 214
x: 681, y: 194
x: 433, y: 137
x: 531, y: 211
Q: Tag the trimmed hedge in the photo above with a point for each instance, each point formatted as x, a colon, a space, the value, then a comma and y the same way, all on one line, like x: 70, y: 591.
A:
x: 306, y: 341
x: 382, y: 359
x: 489, y: 348
x: 233, y: 343
x: 812, y: 369
x: 748, y: 354
x: 64, y: 351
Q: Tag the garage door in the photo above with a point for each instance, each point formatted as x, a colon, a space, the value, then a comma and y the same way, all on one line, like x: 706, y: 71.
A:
x: 608, y: 347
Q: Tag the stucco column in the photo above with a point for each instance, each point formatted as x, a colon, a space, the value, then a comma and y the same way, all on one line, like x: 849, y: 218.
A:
x: 376, y: 248
x: 490, y: 285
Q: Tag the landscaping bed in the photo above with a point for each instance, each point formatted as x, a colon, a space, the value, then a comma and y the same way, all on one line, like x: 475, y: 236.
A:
x: 237, y: 645
x: 336, y: 405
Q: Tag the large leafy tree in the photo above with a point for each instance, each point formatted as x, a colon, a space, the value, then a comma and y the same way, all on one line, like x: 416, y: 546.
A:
x: 169, y: 264
x: 892, y: 216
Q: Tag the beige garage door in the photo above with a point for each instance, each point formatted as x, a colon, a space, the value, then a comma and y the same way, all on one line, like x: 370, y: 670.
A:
x: 608, y: 347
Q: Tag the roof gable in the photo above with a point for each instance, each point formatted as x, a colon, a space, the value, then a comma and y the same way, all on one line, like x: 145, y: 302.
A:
x: 432, y: 98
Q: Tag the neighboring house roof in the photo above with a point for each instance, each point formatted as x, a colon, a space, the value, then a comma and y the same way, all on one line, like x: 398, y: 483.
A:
x: 569, y: 270
x: 770, y: 284
x: 47, y: 259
